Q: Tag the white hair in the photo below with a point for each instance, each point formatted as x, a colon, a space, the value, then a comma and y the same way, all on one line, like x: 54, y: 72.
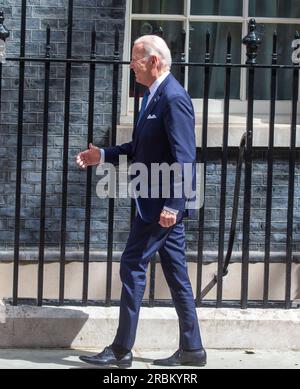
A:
x: 154, y: 45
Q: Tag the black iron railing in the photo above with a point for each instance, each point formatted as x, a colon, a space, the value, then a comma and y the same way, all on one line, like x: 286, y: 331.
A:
x: 245, y: 156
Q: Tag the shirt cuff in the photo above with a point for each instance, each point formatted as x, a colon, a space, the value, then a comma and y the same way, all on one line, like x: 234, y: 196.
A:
x: 102, y: 156
x: 175, y: 211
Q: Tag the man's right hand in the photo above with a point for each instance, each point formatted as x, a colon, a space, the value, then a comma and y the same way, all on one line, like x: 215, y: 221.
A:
x: 90, y: 157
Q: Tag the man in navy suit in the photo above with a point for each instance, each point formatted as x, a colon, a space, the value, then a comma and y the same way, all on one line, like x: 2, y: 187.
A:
x: 164, y: 133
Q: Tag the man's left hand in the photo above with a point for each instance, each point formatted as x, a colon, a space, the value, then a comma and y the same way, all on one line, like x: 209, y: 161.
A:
x: 167, y: 219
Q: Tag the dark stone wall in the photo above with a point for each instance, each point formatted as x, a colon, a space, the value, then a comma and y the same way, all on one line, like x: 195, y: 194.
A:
x: 104, y: 15
x: 258, y: 203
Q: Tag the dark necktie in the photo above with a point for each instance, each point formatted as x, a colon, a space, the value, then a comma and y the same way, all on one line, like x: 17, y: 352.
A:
x: 144, y: 103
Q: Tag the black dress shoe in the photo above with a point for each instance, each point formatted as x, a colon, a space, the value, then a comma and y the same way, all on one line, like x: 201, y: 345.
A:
x: 181, y: 357
x: 108, y: 357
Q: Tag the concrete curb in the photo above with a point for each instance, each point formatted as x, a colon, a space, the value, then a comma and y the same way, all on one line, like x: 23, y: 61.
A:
x: 94, y: 327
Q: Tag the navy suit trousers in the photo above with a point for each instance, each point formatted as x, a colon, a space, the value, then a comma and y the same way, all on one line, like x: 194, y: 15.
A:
x: 144, y: 241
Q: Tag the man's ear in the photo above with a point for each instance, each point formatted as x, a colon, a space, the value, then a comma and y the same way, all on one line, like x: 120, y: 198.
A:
x: 154, y: 60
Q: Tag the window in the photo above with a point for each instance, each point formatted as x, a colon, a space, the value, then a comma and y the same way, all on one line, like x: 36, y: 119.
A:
x: 274, y: 8
x: 217, y: 7
x: 175, y: 7
x: 188, y: 20
x: 218, y: 43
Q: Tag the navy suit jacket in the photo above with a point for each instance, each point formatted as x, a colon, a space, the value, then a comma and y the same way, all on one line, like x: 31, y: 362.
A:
x: 164, y: 134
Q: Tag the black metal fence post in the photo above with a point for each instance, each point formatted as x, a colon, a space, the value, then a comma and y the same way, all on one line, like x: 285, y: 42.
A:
x: 252, y: 42
x: 204, y: 163
x: 44, y: 173
x: 88, y: 195
x: 19, y: 154
x: 64, y: 204
x: 112, y: 142
x: 182, y: 58
x: 224, y: 175
x: 135, y: 117
x: 270, y: 174
x: 291, y: 190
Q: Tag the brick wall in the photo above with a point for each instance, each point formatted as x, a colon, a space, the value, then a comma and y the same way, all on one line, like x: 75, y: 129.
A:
x: 258, y: 204
x: 104, y: 15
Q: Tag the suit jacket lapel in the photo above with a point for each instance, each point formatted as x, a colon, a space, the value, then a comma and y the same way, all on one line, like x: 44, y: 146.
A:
x: 152, y: 104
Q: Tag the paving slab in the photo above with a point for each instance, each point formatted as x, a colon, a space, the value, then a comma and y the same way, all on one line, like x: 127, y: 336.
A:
x: 69, y: 327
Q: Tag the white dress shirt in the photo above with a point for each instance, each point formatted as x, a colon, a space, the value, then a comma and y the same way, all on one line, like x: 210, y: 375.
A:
x: 153, y: 88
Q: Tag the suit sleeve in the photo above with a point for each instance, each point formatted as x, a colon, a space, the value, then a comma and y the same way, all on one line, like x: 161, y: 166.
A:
x: 112, y: 153
x: 179, y: 123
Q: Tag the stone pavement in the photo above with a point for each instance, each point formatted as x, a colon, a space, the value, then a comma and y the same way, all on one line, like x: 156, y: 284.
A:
x: 217, y: 359
x: 78, y: 327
